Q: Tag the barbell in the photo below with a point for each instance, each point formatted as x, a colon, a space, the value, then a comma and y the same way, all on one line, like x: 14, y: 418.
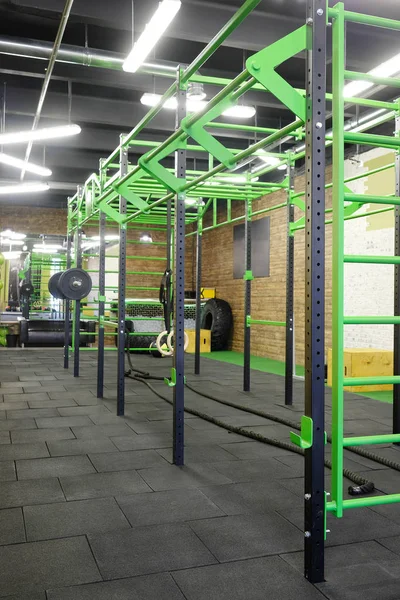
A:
x: 72, y: 284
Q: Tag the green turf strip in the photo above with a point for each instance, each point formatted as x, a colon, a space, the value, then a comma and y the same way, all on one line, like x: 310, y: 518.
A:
x: 277, y: 367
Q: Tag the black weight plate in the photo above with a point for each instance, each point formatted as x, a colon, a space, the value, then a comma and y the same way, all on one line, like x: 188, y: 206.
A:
x: 26, y: 289
x: 75, y: 284
x: 53, y: 286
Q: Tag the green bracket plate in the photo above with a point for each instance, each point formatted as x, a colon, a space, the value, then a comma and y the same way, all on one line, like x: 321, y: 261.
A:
x: 248, y: 276
x: 198, y: 133
x: 305, y: 439
x: 262, y: 66
x: 171, y: 382
x: 124, y: 190
x: 111, y: 212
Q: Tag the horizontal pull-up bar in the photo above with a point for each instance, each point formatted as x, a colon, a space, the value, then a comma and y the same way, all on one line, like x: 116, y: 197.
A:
x: 250, y: 321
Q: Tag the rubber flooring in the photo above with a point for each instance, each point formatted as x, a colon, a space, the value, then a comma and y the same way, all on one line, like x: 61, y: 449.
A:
x: 92, y: 508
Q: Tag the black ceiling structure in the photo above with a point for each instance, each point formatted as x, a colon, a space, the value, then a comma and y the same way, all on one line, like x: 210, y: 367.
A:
x: 106, y: 102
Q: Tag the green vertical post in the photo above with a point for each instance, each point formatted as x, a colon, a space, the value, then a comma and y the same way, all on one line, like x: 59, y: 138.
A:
x: 338, y: 66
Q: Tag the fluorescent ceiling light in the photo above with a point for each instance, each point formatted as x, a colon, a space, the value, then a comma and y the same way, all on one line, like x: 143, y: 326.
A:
x: 11, y: 254
x: 193, y: 105
x: 272, y: 161
x: 8, y: 242
x: 6, y: 159
x: 146, y: 238
x: 386, y: 69
x: 237, y: 179
x: 195, y: 91
x: 9, y: 233
x: 107, y: 237
x: 158, y: 24
x: 45, y: 250
x: 282, y: 167
x: 240, y: 111
x: 24, y: 188
x: 48, y: 133
x: 48, y: 246
x: 189, y: 201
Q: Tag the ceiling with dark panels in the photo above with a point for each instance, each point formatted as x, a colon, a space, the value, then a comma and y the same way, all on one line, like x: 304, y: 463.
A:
x: 106, y: 103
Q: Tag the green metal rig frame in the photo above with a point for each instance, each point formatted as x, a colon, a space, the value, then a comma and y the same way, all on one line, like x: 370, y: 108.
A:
x: 152, y: 195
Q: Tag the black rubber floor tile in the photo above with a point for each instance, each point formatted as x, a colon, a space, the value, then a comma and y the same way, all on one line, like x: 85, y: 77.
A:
x: 41, y: 468
x: 39, y: 565
x: 252, y: 497
x: 21, y: 451
x: 7, y: 470
x: 5, y: 437
x: 23, y: 493
x: 168, y: 507
x: 101, y: 485
x: 75, y: 447
x: 101, y: 431
x: 12, y: 530
x: 142, y: 442
x: 73, y: 518
x: 10, y: 404
x: 126, y: 461
x: 28, y: 596
x: 382, y: 590
x: 75, y: 411
x: 147, y: 587
x: 51, y: 403
x: 250, y: 470
x: 363, y: 524
x: 32, y: 413
x: 385, y: 480
x: 56, y: 422
x: 219, y: 436
x: 31, y: 436
x: 145, y: 550
x: 12, y: 425
x: 248, y: 536
x: 37, y: 378
x: 171, y: 477
x: 258, y: 579
x: 197, y: 454
x: 352, y: 564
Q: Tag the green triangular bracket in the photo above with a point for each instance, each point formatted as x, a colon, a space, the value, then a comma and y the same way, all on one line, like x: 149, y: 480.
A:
x: 111, y: 212
x: 160, y: 173
x: 129, y: 195
x: 198, y: 133
x: 263, y: 64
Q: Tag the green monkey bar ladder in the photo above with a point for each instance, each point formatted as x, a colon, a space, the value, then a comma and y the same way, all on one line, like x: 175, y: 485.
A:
x: 340, y: 197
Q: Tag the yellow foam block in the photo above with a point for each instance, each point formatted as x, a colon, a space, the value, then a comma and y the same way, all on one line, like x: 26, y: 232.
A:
x: 364, y: 362
x: 205, y: 340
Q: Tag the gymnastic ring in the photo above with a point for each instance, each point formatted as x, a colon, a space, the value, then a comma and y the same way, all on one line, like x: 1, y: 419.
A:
x: 169, y: 340
x: 159, y: 347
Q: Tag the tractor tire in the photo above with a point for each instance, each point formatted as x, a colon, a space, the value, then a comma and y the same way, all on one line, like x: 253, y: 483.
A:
x: 216, y: 316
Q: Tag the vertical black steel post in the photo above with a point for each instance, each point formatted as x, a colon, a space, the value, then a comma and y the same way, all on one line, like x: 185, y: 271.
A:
x: 179, y: 293
x: 289, y: 292
x: 67, y: 307
x: 101, y: 300
x: 122, y: 292
x: 315, y: 288
x: 199, y: 244
x: 168, y: 267
x: 396, y: 338
x: 247, y: 296
x: 77, y: 313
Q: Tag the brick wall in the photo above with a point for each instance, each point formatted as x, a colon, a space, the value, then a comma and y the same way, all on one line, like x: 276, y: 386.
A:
x: 268, y: 293
x: 33, y: 220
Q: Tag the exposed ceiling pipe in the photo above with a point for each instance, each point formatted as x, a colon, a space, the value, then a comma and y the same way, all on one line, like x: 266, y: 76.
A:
x: 49, y: 72
x: 76, y: 55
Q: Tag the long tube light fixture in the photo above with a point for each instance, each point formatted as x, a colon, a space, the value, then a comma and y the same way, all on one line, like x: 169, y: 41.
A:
x: 24, y: 188
x: 240, y: 111
x: 12, y: 161
x: 47, y: 133
x: 386, y: 69
x: 158, y: 24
